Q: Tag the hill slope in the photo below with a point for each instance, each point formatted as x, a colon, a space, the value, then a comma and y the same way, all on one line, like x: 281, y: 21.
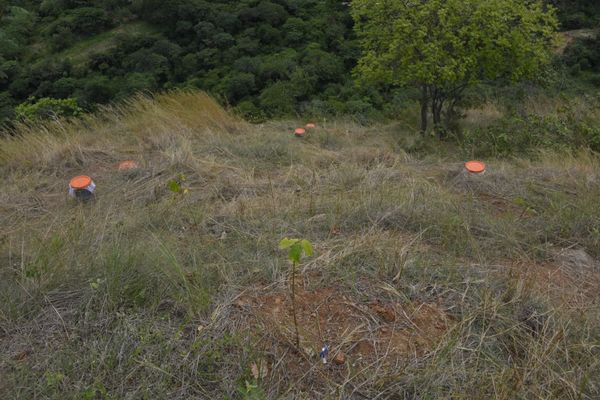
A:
x: 269, y: 57
x: 425, y: 283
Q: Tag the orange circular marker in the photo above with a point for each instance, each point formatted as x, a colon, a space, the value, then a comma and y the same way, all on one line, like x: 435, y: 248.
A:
x: 127, y: 165
x: 82, y: 187
x: 80, y: 182
x: 299, y: 132
x: 310, y: 126
x: 475, y: 167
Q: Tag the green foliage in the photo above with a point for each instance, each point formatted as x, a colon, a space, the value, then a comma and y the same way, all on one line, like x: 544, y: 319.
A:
x: 275, y: 55
x: 176, y: 185
x: 444, y: 46
x: 272, y: 58
x: 526, y: 135
x: 278, y: 99
x: 251, y: 391
x: 577, y: 14
x: 449, y: 43
x: 250, y: 112
x: 47, y: 108
x: 296, y: 248
x: 582, y: 59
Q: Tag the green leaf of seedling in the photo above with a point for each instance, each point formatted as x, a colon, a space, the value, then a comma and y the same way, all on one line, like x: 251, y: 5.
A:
x: 520, y: 201
x: 295, y: 253
x: 287, y: 243
x: 307, y: 247
x: 174, y: 186
x: 296, y: 248
x: 96, y: 284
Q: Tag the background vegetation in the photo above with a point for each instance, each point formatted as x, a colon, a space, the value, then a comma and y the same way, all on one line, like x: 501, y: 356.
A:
x: 268, y: 58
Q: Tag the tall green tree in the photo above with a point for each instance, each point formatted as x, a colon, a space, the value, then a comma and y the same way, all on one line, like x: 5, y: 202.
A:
x: 444, y: 46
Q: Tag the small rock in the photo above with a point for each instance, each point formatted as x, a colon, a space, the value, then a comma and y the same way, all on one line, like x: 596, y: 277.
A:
x: 576, y: 258
x: 340, y: 358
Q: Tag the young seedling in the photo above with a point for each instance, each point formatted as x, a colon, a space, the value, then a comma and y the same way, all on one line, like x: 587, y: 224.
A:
x: 296, y: 249
x: 176, y: 185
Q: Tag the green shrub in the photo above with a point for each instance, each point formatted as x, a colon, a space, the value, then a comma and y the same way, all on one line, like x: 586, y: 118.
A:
x: 278, y: 99
x: 250, y: 112
x: 47, y: 108
x: 523, y: 135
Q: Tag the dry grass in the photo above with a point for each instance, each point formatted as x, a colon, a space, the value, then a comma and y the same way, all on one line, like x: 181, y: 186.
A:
x: 432, y: 284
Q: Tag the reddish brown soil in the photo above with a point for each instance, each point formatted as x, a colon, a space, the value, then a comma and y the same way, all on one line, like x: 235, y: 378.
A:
x: 357, y: 332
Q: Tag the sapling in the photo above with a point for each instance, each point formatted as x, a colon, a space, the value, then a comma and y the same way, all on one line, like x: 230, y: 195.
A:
x: 296, y: 249
x: 176, y: 185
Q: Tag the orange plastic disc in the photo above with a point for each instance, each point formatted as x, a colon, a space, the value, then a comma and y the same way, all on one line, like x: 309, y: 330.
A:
x: 299, y: 132
x: 80, y: 182
x: 311, y: 126
x: 127, y: 164
x: 475, y: 167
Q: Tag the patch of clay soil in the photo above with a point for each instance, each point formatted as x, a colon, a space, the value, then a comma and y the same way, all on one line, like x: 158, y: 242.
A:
x: 359, y: 332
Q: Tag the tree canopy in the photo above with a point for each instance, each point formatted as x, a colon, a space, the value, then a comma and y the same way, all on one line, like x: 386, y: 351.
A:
x: 443, y: 46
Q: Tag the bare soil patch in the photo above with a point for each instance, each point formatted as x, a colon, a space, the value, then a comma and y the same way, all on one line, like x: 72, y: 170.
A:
x: 360, y: 332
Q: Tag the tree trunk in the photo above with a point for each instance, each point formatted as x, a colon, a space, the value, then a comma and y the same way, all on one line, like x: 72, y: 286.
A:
x: 437, y: 105
x: 424, y: 106
x: 437, y: 113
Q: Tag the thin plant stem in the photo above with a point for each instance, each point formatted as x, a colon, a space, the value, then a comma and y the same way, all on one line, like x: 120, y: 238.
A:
x: 294, y: 304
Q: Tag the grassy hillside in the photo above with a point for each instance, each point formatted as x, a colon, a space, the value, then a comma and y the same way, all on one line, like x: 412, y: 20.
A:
x: 425, y: 283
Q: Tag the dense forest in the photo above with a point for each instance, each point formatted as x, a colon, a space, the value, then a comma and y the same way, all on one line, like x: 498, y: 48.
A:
x: 267, y: 58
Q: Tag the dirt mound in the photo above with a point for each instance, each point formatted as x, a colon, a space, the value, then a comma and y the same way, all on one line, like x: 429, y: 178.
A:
x: 357, y: 331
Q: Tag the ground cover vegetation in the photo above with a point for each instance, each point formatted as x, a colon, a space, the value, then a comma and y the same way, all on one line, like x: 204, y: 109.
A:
x: 424, y: 282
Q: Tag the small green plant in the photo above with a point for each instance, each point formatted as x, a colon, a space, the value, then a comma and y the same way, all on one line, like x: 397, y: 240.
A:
x: 251, y: 391
x: 176, y: 185
x: 296, y: 249
x: 53, y: 379
x: 96, y: 284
